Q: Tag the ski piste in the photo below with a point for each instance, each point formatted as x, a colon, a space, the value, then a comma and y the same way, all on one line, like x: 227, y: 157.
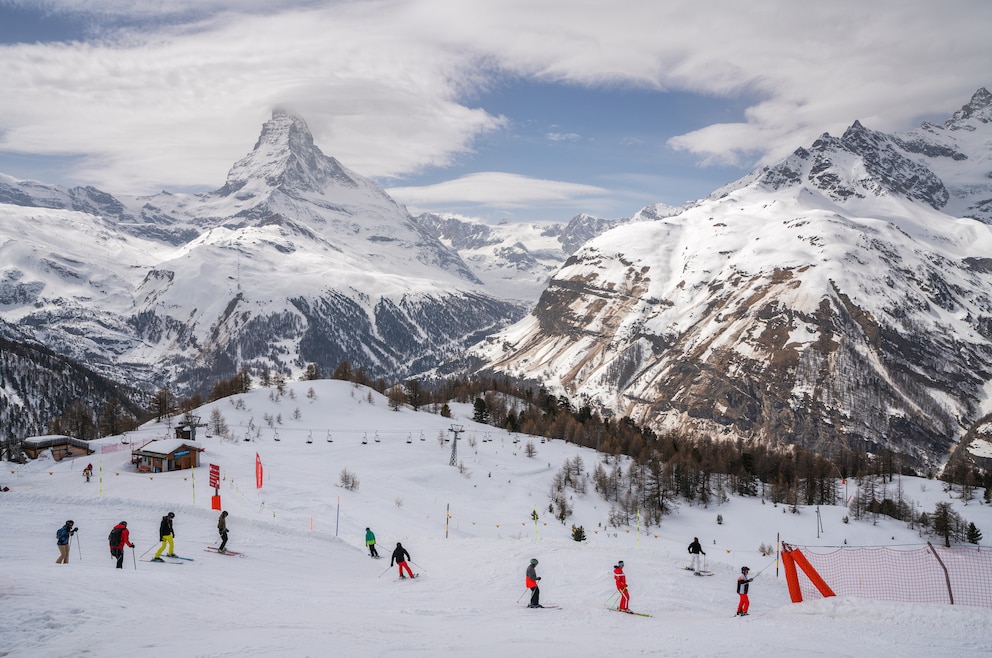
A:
x: 213, y: 549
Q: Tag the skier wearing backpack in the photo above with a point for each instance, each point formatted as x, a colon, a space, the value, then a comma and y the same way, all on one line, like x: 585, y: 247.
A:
x: 742, y: 585
x: 62, y: 537
x: 119, y: 538
x: 621, y: 579
x: 695, y: 548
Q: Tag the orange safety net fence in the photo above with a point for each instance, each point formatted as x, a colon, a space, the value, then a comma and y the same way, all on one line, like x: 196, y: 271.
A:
x: 911, y: 574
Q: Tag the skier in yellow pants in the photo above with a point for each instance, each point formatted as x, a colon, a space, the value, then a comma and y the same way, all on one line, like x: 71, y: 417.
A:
x: 166, y: 534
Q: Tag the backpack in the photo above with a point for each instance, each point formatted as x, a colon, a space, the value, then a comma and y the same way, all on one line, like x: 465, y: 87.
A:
x: 115, y: 537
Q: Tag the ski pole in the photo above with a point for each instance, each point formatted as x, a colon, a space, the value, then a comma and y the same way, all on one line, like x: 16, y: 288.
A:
x: 422, y: 570
x: 384, y: 572
x: 763, y: 568
x: 609, y: 601
x: 523, y: 595
x: 146, y: 552
x: 78, y: 548
x: 134, y: 559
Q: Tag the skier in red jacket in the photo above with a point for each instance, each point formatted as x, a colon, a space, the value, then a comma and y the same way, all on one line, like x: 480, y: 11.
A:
x: 119, y: 538
x: 621, y: 579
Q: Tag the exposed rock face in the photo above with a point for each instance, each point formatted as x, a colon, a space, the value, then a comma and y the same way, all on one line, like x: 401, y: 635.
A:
x: 829, y: 301
x: 294, y: 260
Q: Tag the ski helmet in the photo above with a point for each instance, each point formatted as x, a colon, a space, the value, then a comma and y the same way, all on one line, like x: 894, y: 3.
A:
x: 620, y: 563
x: 533, y: 561
x: 171, y: 515
x: 745, y: 569
x: 123, y: 523
x: 69, y: 522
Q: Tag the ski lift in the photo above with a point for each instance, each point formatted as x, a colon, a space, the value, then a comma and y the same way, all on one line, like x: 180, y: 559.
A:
x: 310, y: 436
x: 247, y: 436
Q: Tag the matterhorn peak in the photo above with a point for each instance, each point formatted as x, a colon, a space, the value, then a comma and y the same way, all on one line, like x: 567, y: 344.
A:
x: 285, y: 157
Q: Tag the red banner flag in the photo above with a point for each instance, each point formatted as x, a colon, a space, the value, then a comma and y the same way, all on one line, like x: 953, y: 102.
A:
x: 258, y: 471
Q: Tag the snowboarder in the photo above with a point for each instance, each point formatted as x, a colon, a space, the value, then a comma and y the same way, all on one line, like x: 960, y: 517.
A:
x: 222, y: 529
x: 621, y: 579
x: 530, y: 580
x: 88, y: 471
x: 400, y: 556
x: 166, y: 534
x: 370, y: 542
x: 742, y: 585
x: 119, y: 538
x: 695, y: 548
x: 63, y: 536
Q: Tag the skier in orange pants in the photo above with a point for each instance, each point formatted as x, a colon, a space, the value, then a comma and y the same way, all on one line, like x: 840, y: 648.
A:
x: 742, y: 585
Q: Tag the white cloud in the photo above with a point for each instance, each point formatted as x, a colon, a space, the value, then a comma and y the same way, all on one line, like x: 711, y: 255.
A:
x: 493, y: 188
x: 383, y: 84
x: 563, y: 137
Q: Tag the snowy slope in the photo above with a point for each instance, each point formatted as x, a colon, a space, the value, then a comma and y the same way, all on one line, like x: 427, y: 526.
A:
x: 307, y: 586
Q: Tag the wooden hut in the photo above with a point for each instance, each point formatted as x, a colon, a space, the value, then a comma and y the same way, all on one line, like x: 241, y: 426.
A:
x: 163, y: 455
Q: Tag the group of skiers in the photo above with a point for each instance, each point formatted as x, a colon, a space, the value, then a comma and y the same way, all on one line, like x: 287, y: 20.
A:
x: 743, y: 582
x: 400, y: 556
x: 120, y: 537
x: 620, y: 578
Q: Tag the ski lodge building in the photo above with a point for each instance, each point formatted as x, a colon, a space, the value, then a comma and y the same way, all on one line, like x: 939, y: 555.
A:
x: 162, y: 455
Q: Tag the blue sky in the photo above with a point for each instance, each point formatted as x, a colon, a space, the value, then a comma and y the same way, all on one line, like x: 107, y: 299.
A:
x: 508, y: 109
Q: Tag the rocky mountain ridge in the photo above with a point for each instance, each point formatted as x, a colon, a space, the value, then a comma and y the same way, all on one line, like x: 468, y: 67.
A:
x: 296, y: 260
x: 829, y: 301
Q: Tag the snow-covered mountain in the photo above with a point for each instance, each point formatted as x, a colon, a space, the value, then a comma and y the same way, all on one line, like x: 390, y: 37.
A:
x: 295, y: 260
x: 839, y: 299
x: 517, y: 259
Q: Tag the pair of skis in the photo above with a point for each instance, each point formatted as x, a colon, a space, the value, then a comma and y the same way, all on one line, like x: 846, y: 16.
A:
x: 631, y: 612
x: 169, y: 559
x: 214, y: 549
x: 701, y: 572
